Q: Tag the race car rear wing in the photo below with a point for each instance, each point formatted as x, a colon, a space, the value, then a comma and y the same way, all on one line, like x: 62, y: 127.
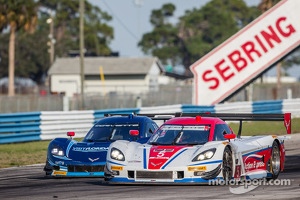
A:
x: 162, y: 117
x: 286, y: 118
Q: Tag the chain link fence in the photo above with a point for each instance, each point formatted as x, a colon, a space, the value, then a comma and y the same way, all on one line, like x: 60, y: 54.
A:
x: 166, y: 95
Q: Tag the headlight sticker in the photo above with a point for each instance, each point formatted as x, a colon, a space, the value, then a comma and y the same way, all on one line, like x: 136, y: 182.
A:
x: 197, y: 168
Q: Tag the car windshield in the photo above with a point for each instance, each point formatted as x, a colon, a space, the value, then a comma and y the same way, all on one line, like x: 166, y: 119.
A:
x: 181, y: 135
x: 110, y: 132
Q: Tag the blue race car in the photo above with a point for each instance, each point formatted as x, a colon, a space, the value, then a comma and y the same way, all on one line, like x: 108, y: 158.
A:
x: 69, y: 158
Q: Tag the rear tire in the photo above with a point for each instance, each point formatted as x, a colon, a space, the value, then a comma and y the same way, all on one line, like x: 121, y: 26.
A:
x: 227, y: 169
x: 275, y: 160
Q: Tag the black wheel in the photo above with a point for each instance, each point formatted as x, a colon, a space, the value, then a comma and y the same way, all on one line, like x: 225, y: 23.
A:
x: 275, y: 160
x: 227, y: 164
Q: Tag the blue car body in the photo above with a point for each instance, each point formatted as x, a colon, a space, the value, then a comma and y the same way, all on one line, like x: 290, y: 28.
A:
x: 69, y: 158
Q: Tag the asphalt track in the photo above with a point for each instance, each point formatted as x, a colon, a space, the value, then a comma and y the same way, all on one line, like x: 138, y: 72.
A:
x: 29, y: 182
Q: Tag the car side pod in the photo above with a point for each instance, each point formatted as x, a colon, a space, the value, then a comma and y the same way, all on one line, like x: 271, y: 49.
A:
x: 258, y: 174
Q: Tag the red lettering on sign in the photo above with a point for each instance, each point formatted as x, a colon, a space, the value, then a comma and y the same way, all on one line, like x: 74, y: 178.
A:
x: 213, y: 79
x: 270, y: 36
x: 249, y: 51
x: 249, y: 48
x: 261, y: 44
x: 290, y: 29
x: 222, y: 71
x: 237, y: 60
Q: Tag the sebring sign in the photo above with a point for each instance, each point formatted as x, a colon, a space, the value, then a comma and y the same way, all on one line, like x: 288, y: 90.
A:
x: 247, y: 54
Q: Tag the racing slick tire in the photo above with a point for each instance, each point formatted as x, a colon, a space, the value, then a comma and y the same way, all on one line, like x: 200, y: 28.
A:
x: 227, y: 169
x: 275, y: 160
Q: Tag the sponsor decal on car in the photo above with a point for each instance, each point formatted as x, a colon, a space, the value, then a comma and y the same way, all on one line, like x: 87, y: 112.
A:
x: 254, y: 165
x: 197, y: 168
x: 134, y: 161
x: 237, y: 172
x: 90, y: 149
x: 161, y: 155
x: 59, y: 162
x: 117, y: 168
x: 255, y: 161
x: 61, y: 173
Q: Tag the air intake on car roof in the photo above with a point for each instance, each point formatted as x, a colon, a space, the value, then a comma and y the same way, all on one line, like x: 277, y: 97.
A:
x: 130, y: 116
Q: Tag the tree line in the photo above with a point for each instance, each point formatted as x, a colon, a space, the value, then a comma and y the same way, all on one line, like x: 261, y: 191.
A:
x: 25, y: 38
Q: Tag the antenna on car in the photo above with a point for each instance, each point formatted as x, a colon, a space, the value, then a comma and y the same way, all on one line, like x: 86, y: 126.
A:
x: 130, y: 116
x: 178, y: 114
x: 240, y: 129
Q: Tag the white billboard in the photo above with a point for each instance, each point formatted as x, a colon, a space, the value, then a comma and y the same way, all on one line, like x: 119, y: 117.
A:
x: 247, y: 54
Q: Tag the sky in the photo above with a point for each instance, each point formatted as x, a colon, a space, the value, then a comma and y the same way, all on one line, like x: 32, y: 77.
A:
x: 131, y: 20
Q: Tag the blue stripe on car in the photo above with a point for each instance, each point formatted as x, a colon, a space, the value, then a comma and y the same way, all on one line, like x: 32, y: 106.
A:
x: 256, y: 151
x: 145, y: 158
x: 84, y: 174
x: 165, y: 165
x: 115, y: 163
x: 206, y: 163
x: 123, y: 180
x: 62, y: 158
x: 69, y: 147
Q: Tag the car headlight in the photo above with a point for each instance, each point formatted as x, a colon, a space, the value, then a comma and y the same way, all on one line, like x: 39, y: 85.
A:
x: 205, y: 155
x: 116, y: 154
x: 57, y: 151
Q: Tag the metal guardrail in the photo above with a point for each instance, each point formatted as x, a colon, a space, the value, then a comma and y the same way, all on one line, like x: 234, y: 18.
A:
x: 47, y: 125
x: 15, y: 127
x: 171, y: 94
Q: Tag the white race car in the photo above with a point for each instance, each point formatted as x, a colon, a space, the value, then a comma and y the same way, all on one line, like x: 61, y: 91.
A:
x: 196, y: 148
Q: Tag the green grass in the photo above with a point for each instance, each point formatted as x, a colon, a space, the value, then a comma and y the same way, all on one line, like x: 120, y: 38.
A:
x: 20, y: 154
x: 23, y: 153
x: 266, y: 128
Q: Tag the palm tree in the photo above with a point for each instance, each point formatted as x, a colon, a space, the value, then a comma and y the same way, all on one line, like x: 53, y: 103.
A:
x: 16, y: 15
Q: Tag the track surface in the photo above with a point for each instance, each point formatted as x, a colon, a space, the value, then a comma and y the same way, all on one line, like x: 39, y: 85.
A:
x: 29, y: 182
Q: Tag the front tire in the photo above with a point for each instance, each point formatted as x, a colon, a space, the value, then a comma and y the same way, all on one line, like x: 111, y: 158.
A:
x: 227, y: 169
x: 275, y: 160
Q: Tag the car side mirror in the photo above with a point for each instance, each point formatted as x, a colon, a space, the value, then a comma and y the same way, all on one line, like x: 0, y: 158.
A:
x: 229, y: 136
x: 134, y: 132
x: 71, y: 134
